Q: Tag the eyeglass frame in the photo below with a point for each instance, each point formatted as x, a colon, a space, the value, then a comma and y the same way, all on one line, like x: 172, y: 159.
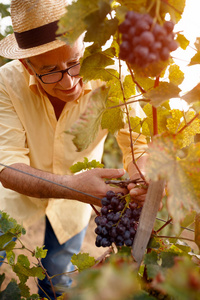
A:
x: 61, y: 71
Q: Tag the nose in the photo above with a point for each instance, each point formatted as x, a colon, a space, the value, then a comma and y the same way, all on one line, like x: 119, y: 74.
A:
x: 67, y: 81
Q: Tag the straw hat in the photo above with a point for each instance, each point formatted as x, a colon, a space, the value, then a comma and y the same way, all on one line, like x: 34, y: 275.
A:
x: 34, y: 24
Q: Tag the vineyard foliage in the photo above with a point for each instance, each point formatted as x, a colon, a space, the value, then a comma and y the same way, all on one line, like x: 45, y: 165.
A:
x: 170, y: 269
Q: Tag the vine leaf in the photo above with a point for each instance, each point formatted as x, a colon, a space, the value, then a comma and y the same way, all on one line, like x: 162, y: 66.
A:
x: 93, y: 66
x: 112, y: 120
x: 181, y: 175
x: 165, y: 91
x: 85, y: 165
x: 72, y: 23
x: 12, y: 291
x: 85, y: 129
x: 40, y: 252
x: 176, y: 76
x: 174, y: 124
x: 83, y: 261
x: 193, y: 95
x: 183, y: 42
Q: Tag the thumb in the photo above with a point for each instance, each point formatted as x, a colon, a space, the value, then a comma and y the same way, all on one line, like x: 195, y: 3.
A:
x: 112, y: 173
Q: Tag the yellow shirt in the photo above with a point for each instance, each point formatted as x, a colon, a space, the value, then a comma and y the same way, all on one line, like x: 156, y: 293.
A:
x: 31, y: 134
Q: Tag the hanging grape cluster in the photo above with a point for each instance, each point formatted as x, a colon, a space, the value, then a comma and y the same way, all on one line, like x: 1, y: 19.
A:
x: 145, y: 42
x: 117, y: 222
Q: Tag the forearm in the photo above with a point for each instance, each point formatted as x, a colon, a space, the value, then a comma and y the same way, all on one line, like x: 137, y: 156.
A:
x: 29, y: 181
x: 86, y: 187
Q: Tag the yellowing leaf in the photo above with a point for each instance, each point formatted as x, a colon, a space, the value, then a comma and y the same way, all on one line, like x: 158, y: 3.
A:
x: 165, y: 91
x: 175, y: 124
x: 195, y: 59
x: 193, y: 95
x: 183, y: 42
x: 86, y: 128
x: 182, y: 175
x: 176, y: 76
x: 112, y: 120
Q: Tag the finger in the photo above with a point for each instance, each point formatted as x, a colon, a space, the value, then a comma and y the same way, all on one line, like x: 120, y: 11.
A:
x: 137, y: 192
x: 111, y: 173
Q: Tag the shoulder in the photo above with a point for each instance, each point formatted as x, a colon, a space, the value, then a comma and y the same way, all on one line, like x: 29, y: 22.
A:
x: 13, y: 75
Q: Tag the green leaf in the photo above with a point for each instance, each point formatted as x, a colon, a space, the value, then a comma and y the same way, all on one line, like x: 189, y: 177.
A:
x: 167, y: 259
x: 82, y: 261
x: 93, y: 67
x: 85, y: 165
x: 25, y: 290
x: 40, y: 252
x: 73, y: 22
x: 86, y: 128
x: 165, y: 91
x: 4, y: 239
x: 2, y: 278
x: 176, y: 76
x: 4, y: 10
x: 193, y: 95
x: 102, y: 31
x: 12, y: 291
x: 183, y: 42
x: 112, y: 120
x: 129, y: 87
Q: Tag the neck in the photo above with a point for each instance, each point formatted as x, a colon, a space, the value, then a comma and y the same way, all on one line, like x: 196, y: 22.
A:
x: 58, y: 105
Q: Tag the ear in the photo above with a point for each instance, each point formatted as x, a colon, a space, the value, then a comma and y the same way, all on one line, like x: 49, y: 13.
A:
x: 24, y: 63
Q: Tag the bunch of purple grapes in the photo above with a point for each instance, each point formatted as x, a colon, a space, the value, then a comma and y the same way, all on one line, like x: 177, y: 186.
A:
x: 117, y: 222
x: 145, y: 42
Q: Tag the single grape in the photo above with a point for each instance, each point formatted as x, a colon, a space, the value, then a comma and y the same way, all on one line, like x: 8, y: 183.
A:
x: 105, y: 242
x: 98, y: 230
x: 105, y: 201
x: 169, y: 26
x: 127, y: 235
x: 104, y: 231
x: 104, y: 210
x: 164, y: 53
x: 173, y: 45
x: 110, y: 194
x: 98, y: 241
x: 128, y: 242
x: 114, y: 202
x: 147, y: 38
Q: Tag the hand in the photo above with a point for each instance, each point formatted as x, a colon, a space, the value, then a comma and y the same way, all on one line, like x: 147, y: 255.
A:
x: 92, y: 182
x: 138, y: 192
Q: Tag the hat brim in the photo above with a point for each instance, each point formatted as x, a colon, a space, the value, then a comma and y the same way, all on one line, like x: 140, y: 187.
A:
x: 9, y: 48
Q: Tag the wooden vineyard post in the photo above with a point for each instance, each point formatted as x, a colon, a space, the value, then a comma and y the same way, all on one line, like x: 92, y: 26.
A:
x: 147, y: 219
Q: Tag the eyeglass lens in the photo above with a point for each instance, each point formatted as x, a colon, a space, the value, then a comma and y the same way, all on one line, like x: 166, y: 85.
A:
x: 57, y: 76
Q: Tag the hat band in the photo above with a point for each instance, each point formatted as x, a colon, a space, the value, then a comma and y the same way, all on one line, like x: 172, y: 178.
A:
x: 37, y: 36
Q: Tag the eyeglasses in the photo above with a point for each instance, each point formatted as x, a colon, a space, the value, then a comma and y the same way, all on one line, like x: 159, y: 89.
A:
x: 57, y: 76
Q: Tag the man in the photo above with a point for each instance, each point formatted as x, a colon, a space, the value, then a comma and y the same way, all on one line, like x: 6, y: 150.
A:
x: 41, y: 96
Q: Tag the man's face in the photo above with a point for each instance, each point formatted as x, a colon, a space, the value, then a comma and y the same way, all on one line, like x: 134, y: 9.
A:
x: 69, y: 88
